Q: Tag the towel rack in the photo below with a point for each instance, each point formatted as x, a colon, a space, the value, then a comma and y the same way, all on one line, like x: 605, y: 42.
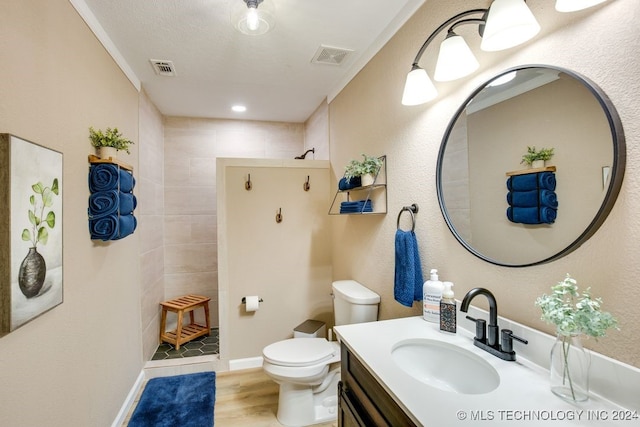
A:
x: 413, y: 209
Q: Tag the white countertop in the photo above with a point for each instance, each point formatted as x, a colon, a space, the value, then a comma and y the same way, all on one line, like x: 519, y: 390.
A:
x: 522, y: 398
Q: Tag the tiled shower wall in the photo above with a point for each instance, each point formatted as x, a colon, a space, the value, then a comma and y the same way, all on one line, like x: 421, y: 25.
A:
x: 150, y: 212
x: 190, y: 151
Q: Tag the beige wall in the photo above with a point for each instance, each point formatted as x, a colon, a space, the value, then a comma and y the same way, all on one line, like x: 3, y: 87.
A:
x: 287, y: 264
x: 367, y: 116
x: 191, y: 149
x: 151, y: 219
x: 316, y: 133
x: 74, y: 365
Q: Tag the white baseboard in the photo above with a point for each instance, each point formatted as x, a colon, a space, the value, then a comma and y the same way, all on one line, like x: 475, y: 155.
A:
x: 248, y: 363
x: 128, y: 402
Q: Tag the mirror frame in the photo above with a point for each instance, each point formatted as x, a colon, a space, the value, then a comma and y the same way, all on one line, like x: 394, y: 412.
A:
x: 615, y: 182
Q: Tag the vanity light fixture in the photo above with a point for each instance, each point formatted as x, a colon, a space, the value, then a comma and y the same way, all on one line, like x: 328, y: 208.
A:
x: 254, y: 17
x: 505, y: 24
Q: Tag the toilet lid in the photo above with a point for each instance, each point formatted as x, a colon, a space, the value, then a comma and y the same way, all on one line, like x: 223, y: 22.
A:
x: 299, y: 352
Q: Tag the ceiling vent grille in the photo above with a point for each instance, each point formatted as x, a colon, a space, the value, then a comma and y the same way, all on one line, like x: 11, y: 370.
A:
x: 163, y: 67
x: 330, y: 55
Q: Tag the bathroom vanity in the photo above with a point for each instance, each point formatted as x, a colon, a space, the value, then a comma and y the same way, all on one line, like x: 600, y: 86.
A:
x: 384, y: 385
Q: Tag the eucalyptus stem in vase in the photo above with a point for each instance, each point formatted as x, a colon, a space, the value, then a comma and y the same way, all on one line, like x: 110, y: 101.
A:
x: 574, y: 314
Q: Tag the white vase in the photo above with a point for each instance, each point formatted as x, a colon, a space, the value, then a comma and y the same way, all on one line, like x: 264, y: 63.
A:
x: 367, y: 179
x: 569, y: 370
x: 537, y: 164
x: 107, y: 152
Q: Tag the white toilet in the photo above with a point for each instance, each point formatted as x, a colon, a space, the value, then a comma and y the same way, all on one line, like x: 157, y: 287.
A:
x: 308, y: 369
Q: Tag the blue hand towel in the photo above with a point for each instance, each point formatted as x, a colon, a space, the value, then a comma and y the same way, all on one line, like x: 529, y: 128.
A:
x: 532, y: 198
x: 532, y: 181
x: 541, y: 215
x: 345, y: 184
x: 112, y: 227
x: 408, y: 270
x: 107, y: 176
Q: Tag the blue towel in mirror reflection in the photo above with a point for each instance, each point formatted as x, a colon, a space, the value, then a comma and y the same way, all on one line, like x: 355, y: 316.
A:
x: 528, y: 199
x: 532, y: 181
x: 533, y: 215
x: 408, y: 269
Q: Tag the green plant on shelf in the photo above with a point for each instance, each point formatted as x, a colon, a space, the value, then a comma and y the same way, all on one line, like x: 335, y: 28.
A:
x: 109, y: 138
x: 370, y: 165
x: 532, y: 155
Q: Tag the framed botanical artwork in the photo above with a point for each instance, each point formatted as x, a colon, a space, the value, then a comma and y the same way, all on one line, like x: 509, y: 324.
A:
x: 30, y: 231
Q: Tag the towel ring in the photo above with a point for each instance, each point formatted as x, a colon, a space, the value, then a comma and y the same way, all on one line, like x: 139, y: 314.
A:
x: 413, y: 209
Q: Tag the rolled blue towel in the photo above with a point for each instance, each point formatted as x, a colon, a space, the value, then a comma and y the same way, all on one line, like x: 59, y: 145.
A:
x: 104, y: 227
x: 128, y: 203
x: 107, y: 176
x: 532, y: 181
x: 532, y: 198
x: 127, y: 225
x: 408, y: 278
x: 112, y: 227
x: 104, y: 203
x: 543, y: 215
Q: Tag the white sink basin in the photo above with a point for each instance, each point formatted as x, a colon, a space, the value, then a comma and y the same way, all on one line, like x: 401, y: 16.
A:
x: 445, y: 366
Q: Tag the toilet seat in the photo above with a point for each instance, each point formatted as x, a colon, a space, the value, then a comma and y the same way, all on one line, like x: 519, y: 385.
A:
x: 300, y: 352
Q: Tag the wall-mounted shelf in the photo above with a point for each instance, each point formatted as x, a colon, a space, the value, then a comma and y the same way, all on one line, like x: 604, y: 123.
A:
x: 531, y: 170
x: 376, y: 193
x: 95, y: 159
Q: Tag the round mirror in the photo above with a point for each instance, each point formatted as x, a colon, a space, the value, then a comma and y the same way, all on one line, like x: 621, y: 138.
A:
x: 480, y: 162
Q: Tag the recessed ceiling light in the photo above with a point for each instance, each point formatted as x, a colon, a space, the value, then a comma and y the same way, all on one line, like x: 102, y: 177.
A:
x: 239, y: 108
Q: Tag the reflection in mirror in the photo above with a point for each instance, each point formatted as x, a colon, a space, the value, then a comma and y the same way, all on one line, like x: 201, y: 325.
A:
x: 539, y: 106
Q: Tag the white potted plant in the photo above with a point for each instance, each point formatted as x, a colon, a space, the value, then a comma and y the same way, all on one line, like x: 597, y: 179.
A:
x: 537, y: 158
x: 574, y: 315
x: 367, y: 169
x: 109, y: 142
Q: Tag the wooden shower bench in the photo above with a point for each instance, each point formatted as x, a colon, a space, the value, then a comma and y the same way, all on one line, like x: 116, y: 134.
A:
x: 184, y: 333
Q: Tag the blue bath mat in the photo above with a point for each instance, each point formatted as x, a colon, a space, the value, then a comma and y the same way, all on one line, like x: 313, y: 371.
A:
x: 181, y: 400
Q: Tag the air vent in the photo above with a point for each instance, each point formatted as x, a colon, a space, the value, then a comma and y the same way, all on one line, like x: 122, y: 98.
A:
x: 163, y: 67
x: 330, y: 55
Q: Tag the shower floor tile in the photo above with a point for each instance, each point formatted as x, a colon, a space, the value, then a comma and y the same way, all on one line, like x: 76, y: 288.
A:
x: 200, y: 346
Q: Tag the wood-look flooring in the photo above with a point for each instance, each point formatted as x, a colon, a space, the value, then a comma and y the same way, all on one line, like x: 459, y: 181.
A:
x: 247, y: 398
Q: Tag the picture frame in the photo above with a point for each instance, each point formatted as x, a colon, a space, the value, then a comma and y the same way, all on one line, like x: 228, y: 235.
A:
x: 31, y: 250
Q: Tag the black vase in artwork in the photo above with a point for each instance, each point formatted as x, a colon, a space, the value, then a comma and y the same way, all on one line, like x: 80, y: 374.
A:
x: 32, y: 273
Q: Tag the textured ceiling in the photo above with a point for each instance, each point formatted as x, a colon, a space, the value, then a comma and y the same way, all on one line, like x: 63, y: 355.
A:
x: 218, y: 66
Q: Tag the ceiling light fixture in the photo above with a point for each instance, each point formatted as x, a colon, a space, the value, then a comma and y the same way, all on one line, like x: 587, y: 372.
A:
x: 505, y: 24
x: 239, y: 108
x: 253, y: 17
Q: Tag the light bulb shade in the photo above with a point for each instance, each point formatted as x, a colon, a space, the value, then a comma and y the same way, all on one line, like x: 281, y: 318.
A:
x: 418, y: 88
x: 573, y: 5
x: 253, y: 19
x: 455, y: 59
x: 509, y: 23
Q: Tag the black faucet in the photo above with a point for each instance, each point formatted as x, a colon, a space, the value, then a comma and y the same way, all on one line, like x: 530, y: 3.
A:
x: 491, y: 342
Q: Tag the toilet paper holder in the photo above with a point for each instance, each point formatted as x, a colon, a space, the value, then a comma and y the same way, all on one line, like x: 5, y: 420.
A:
x: 244, y: 300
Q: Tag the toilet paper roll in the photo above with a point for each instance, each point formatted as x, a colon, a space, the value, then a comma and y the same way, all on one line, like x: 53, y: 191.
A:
x: 252, y: 303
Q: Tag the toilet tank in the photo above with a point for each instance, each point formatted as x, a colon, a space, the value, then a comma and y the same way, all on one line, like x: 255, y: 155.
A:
x: 354, y: 303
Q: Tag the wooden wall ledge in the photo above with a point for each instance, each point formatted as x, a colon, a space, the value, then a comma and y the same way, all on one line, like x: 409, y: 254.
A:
x: 95, y: 159
x: 532, y: 170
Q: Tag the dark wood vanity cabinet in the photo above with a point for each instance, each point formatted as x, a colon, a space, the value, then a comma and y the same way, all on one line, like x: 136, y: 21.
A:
x: 363, y: 401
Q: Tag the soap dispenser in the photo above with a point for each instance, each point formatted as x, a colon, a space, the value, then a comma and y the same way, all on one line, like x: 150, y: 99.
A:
x: 431, y: 295
x: 448, y: 309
